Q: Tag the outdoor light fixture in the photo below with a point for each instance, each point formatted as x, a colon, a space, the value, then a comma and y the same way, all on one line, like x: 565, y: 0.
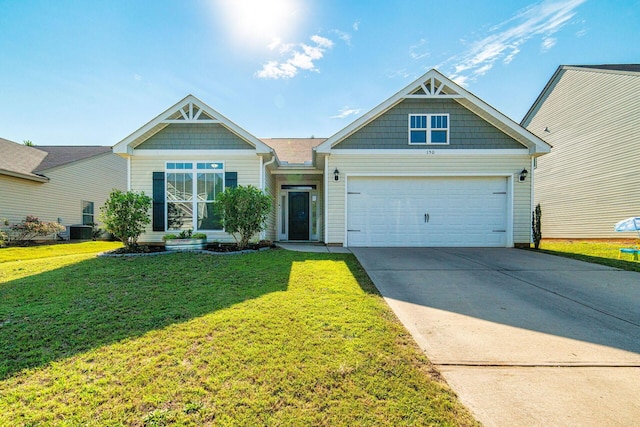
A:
x: 336, y: 175
x: 523, y: 175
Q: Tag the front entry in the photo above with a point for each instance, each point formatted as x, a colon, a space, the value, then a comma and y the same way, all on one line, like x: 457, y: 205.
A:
x: 298, y: 215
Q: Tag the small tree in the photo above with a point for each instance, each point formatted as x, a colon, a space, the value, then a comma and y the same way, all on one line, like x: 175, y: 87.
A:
x: 536, y: 226
x: 243, y: 211
x: 125, y: 215
x: 32, y: 227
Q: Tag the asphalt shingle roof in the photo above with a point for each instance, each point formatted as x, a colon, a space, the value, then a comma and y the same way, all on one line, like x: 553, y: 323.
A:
x: 28, y: 161
x: 294, y: 151
x: 613, y: 67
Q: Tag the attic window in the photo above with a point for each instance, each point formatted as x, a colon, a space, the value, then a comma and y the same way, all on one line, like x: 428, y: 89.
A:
x: 425, y: 129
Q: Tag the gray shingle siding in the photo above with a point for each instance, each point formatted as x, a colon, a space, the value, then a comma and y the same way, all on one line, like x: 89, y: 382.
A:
x: 390, y: 131
x: 195, y: 136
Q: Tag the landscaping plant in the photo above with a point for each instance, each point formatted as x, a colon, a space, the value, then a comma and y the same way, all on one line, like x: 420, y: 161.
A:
x: 4, y: 237
x: 536, y: 225
x: 32, y: 227
x: 125, y: 215
x: 243, y: 211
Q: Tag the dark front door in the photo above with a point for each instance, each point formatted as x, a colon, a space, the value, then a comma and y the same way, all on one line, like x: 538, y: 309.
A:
x: 298, y: 215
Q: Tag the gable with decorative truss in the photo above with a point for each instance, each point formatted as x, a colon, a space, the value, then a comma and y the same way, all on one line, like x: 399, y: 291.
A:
x: 433, y: 88
x: 424, y: 95
x: 190, y: 112
x: 207, y: 129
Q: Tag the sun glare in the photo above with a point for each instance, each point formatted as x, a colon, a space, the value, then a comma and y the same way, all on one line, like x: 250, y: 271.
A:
x: 259, y: 24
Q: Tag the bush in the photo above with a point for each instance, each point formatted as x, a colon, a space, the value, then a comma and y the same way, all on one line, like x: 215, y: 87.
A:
x: 243, y: 211
x: 125, y: 215
x: 4, y: 237
x: 185, y: 234
x: 31, y: 227
x: 536, y: 226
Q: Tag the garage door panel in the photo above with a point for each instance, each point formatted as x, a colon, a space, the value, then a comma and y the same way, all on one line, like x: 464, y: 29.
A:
x: 419, y: 211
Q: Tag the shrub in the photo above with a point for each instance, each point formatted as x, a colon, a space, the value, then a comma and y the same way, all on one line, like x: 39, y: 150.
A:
x: 31, y: 227
x: 536, y: 226
x: 243, y: 211
x: 125, y: 215
x: 96, y: 232
x: 4, y: 237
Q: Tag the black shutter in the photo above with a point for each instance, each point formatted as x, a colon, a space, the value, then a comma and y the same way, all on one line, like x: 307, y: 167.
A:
x: 158, y: 201
x: 230, y: 179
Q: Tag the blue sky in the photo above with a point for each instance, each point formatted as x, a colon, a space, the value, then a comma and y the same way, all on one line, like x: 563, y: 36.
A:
x: 92, y: 72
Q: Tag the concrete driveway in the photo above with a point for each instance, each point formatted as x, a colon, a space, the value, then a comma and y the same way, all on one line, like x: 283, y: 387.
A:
x: 523, y: 338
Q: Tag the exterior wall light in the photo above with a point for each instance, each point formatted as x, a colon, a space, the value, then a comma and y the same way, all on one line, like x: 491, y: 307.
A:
x: 336, y: 175
x: 523, y: 175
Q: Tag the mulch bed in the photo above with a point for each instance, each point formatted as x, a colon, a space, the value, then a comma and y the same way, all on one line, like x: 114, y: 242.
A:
x: 211, y: 247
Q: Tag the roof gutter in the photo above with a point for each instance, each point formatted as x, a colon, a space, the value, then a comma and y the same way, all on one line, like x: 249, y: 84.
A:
x: 37, y: 178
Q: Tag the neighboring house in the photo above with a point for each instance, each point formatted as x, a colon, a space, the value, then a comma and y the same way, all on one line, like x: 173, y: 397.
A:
x: 431, y: 166
x: 66, y: 184
x: 590, y: 114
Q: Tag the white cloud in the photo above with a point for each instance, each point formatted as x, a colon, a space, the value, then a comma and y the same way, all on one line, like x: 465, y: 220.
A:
x: 504, y: 41
x: 548, y: 43
x: 137, y: 77
x: 418, y: 51
x: 356, y: 26
x: 322, y: 42
x: 345, y: 112
x: 345, y: 37
x: 274, y: 43
x: 300, y: 57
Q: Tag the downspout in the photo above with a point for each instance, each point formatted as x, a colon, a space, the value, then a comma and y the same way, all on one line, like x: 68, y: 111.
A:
x: 533, y: 194
x: 263, y: 178
x: 264, y: 173
x: 326, y: 198
x: 128, y: 173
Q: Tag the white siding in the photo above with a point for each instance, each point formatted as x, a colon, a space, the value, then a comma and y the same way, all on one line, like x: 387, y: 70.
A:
x: 142, y: 168
x: 90, y: 179
x: 428, y: 165
x: 590, y: 179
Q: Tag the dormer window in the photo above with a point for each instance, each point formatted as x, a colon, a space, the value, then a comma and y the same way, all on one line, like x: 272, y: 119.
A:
x: 426, y: 129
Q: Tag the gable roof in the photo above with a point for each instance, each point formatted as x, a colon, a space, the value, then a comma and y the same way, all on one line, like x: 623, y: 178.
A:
x: 627, y: 69
x: 27, y: 162
x: 294, y: 151
x: 634, y: 68
x: 434, y: 85
x: 62, y: 154
x: 188, y: 110
x: 20, y: 160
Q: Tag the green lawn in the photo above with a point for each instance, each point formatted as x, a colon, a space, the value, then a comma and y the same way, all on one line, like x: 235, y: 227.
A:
x: 274, y: 338
x: 600, y: 252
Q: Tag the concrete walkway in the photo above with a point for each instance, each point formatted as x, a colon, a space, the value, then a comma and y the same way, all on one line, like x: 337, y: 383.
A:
x: 312, y: 247
x: 524, y: 338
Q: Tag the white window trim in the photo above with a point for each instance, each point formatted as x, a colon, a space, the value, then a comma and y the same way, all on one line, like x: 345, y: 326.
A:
x: 428, y: 129
x: 193, y: 170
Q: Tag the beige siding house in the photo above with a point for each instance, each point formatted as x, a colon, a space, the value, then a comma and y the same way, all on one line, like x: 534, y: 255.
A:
x: 431, y: 166
x: 66, y: 184
x: 589, y: 181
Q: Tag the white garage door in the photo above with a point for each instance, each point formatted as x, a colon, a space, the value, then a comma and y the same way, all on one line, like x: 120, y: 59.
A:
x: 421, y: 211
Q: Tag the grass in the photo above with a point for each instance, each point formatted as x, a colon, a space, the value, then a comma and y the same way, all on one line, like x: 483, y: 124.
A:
x: 272, y: 338
x: 595, y: 251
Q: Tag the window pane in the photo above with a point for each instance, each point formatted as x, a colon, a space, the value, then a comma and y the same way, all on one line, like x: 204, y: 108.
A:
x: 418, y: 136
x: 207, y: 218
x: 87, y: 208
x: 179, y: 186
x: 438, y: 136
x: 179, y: 216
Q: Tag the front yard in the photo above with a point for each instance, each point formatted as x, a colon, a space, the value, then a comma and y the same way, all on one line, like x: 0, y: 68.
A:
x: 271, y: 338
x: 603, y: 252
